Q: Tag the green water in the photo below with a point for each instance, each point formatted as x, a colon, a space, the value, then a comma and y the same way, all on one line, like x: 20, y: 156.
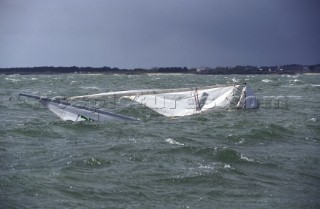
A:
x: 265, y: 158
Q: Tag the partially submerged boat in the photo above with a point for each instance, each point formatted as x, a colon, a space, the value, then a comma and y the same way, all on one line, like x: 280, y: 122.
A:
x: 177, y: 102
x: 72, y: 112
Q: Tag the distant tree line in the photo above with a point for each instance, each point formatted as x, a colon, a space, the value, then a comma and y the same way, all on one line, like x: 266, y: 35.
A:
x: 284, y: 69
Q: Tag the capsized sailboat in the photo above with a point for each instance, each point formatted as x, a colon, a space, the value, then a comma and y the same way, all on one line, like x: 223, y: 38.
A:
x: 168, y: 102
x: 70, y: 112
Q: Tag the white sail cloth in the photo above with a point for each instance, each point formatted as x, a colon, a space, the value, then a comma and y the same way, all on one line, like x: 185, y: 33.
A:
x: 178, y: 102
x: 186, y: 102
x: 168, y: 102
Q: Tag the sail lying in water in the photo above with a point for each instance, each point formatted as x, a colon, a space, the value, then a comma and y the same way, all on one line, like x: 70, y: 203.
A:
x: 186, y: 101
x: 168, y: 102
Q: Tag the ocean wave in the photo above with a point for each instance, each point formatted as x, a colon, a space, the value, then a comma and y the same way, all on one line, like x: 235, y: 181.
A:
x: 295, y: 81
x: 227, y: 155
x: 95, y: 162
x: 14, y: 80
x: 171, y: 141
x: 267, y: 81
x: 90, y: 88
x: 202, y: 161
x: 244, y: 158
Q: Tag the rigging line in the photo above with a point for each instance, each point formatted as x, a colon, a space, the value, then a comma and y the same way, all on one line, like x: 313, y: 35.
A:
x: 245, y: 97
x: 235, y: 100
x: 230, y: 97
x: 237, y: 89
x: 77, y: 118
x: 197, y: 100
x: 231, y: 101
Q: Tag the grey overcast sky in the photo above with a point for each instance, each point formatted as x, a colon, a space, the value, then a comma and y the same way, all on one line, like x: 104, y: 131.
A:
x: 158, y: 33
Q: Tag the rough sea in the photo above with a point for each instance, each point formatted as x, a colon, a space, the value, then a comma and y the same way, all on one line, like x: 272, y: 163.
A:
x: 264, y: 158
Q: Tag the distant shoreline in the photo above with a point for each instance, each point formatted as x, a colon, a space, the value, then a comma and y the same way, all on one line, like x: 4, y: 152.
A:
x: 284, y: 69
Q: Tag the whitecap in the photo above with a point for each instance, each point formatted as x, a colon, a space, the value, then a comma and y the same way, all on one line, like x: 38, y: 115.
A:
x: 171, y: 141
x: 227, y: 166
x: 235, y: 80
x: 310, y: 139
x: 206, y: 167
x: 292, y: 76
x: 242, y: 157
x: 293, y: 85
x: 295, y: 81
x: 267, y: 81
x: 241, y: 141
x: 12, y: 79
x: 90, y: 87
x: 312, y: 119
x: 132, y: 140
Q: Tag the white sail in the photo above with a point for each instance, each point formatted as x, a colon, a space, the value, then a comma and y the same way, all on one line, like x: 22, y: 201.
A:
x: 186, y: 102
x: 137, y: 92
x: 177, y: 102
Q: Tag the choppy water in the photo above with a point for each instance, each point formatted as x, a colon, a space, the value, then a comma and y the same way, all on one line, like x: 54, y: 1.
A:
x: 267, y: 158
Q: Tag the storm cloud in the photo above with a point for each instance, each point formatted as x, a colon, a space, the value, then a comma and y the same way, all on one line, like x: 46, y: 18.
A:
x: 152, y: 33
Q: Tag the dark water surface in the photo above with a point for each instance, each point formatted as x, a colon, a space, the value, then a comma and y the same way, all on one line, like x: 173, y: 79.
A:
x: 266, y: 158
